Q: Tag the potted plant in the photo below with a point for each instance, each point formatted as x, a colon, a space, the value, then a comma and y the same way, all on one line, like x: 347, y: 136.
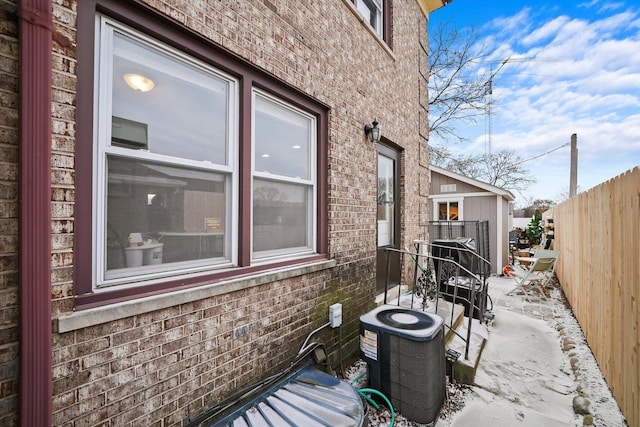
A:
x: 535, y: 229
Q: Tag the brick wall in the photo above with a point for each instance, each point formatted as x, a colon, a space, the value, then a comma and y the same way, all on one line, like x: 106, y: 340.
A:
x: 173, y: 363
x: 164, y: 366
x: 63, y: 142
x: 9, y: 210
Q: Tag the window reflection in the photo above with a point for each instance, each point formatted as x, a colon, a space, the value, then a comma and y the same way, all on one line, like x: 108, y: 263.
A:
x: 282, y: 139
x: 283, y: 183
x: 184, y: 114
x: 178, y: 213
x: 280, y: 215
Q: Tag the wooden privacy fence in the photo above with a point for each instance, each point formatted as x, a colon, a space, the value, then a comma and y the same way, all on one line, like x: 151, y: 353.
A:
x: 598, y: 235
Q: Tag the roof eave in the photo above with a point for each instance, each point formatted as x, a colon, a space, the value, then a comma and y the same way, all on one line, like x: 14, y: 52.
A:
x: 429, y: 6
x: 484, y: 185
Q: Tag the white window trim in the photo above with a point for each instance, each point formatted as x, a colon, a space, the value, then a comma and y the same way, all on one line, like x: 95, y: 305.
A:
x: 438, y: 200
x: 378, y: 37
x: 500, y: 231
x: 264, y: 257
x: 103, y: 61
x: 379, y: 4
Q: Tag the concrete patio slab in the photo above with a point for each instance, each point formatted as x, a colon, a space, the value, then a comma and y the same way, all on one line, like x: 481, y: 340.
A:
x: 526, y: 376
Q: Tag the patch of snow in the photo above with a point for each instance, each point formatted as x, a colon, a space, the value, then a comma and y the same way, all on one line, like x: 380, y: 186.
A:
x: 525, y: 376
x: 589, y: 378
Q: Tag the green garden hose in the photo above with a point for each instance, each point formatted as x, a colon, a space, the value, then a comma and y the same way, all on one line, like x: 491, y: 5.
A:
x: 362, y: 392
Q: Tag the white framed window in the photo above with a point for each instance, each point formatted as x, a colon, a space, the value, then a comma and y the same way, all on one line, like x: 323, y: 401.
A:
x: 448, y: 209
x: 170, y: 190
x: 372, y: 11
x: 165, y: 160
x: 284, y: 179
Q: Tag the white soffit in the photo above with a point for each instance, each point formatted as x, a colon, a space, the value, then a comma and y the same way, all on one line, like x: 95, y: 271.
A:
x: 429, y: 6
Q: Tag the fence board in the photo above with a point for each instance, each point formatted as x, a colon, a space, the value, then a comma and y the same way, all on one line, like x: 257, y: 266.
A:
x: 598, y: 235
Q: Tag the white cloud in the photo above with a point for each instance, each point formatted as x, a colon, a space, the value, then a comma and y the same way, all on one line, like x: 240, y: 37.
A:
x: 573, y: 76
x: 547, y: 31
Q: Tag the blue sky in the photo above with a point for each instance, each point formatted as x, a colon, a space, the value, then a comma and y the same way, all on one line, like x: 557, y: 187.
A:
x: 575, y: 69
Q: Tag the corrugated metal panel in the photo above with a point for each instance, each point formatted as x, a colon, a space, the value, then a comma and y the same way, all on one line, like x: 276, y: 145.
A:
x: 307, y: 398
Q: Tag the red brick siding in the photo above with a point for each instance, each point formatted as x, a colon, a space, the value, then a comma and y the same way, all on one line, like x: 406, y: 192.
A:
x: 162, y: 367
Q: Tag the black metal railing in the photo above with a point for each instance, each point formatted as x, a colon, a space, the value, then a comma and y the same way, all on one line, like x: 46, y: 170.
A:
x: 452, y: 273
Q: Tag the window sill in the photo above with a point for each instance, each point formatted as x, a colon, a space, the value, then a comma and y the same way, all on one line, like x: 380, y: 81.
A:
x: 94, y: 316
x: 376, y: 36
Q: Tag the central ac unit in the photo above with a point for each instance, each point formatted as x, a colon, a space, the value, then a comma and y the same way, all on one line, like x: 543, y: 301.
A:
x: 404, y: 351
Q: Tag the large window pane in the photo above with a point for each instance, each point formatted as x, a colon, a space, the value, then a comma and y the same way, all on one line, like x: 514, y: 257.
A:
x: 280, y: 216
x: 158, y: 215
x: 165, y: 165
x: 282, y: 139
x: 448, y: 211
x: 283, y: 212
x: 167, y: 105
x: 168, y: 173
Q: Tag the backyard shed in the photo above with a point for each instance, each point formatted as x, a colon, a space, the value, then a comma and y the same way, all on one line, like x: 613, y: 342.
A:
x: 457, y: 198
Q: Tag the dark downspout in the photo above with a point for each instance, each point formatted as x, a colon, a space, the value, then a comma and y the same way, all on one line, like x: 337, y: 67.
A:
x: 35, y: 384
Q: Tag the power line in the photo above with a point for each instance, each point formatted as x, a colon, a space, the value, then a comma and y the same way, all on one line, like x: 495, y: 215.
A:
x: 543, y: 154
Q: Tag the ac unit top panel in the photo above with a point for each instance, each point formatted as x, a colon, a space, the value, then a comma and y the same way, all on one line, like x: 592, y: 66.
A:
x: 411, y: 324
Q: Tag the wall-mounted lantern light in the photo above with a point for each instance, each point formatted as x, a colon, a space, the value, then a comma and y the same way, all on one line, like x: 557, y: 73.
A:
x: 373, y: 131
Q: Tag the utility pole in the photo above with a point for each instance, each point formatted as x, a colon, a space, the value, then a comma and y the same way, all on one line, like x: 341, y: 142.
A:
x: 573, y: 178
x: 489, y: 94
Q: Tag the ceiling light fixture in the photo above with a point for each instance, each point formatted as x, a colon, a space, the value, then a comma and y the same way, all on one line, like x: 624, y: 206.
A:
x: 139, y: 82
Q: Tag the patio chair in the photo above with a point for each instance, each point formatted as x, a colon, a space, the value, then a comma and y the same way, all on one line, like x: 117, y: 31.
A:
x: 536, y: 276
x: 546, y: 253
x: 525, y: 262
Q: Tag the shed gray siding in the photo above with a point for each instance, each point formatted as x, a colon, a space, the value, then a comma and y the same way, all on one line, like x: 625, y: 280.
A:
x: 482, y: 202
x: 437, y: 180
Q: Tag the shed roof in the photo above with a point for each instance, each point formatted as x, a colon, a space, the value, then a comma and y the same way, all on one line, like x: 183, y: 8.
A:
x: 485, y: 186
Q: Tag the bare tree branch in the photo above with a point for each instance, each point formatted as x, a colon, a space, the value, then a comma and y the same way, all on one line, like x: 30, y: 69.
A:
x: 502, y: 169
x: 457, y: 90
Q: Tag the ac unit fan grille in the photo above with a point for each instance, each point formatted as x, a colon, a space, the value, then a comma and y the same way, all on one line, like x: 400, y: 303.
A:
x: 405, y: 319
